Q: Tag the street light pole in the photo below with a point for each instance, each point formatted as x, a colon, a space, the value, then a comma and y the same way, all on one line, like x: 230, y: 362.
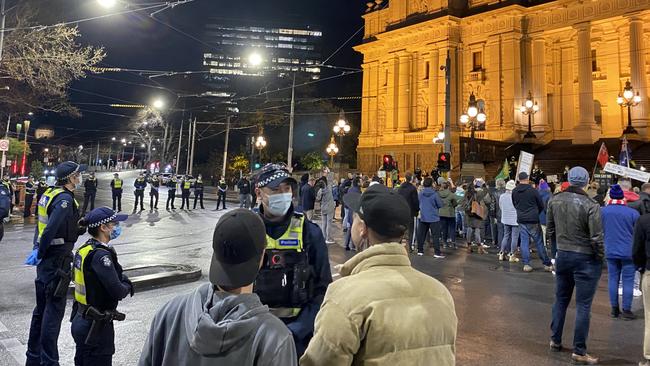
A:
x: 291, y: 121
x: 178, y: 153
x: 225, y: 148
x: 447, y: 103
x: 193, y: 142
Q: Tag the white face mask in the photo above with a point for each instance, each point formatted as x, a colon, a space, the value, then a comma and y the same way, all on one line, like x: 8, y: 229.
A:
x: 78, y: 184
x: 279, y: 203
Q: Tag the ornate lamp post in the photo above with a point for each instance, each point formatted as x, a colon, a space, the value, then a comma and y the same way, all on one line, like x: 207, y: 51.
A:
x: 332, y: 150
x: 474, y: 118
x: 629, y: 99
x: 341, y: 128
x: 529, y: 108
x: 23, y: 163
x: 260, y: 143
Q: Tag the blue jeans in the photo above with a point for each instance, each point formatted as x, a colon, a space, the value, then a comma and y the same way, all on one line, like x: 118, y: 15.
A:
x: 499, y: 230
x: 532, y: 231
x: 448, y: 229
x: 582, y: 272
x: 510, y: 236
x: 623, y: 270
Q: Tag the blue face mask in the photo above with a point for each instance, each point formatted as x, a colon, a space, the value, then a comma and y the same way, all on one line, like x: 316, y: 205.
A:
x: 117, y: 231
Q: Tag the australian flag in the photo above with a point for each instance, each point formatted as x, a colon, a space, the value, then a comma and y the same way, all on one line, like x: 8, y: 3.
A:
x: 625, y: 158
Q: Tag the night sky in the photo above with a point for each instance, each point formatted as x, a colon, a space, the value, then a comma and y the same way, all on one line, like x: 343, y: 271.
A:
x: 136, y: 41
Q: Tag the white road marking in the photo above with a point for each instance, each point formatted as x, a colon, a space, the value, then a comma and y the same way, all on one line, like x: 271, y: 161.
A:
x: 15, y: 349
x: 3, y: 328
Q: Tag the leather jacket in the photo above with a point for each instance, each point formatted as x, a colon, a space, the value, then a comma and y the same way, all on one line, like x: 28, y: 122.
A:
x: 574, y: 221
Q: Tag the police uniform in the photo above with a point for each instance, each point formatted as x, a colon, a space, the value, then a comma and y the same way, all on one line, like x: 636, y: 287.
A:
x: 56, y: 233
x: 171, y: 192
x: 99, y: 285
x: 90, y: 191
x: 140, y: 184
x: 116, y: 189
x: 295, y: 271
x: 198, y: 192
x: 154, y: 184
x: 5, y: 206
x: 30, y: 191
x: 186, y: 185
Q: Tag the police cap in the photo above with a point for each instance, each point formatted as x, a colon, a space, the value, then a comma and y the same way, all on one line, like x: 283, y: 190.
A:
x: 272, y: 175
x: 68, y: 168
x: 103, y: 215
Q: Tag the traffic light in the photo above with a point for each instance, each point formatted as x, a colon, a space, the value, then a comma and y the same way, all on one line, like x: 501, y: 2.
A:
x: 388, y: 163
x: 444, y: 162
x: 257, y: 166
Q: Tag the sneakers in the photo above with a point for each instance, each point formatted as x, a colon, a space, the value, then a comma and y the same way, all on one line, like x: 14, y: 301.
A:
x: 439, y: 256
x: 637, y: 292
x: 500, y: 256
x: 528, y: 268
x: 548, y: 268
x: 615, y: 312
x: 512, y: 258
x: 420, y: 254
x: 628, y: 315
x: 585, y: 359
x: 555, y: 347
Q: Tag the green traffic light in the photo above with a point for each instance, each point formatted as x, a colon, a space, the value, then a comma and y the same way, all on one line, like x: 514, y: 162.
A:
x: 311, y: 134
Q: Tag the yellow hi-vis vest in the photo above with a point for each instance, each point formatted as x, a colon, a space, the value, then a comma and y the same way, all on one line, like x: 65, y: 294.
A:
x: 79, y: 279
x: 117, y: 183
x: 43, y: 206
x: 187, y: 184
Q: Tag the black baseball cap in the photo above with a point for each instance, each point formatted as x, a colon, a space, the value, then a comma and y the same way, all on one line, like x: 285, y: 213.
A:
x: 238, y: 245
x: 383, y: 210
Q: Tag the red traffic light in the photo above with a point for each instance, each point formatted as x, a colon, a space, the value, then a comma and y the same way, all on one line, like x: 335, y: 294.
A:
x: 443, y: 157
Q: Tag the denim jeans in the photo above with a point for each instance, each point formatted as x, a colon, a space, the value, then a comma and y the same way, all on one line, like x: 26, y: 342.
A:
x: 534, y: 232
x: 621, y: 270
x: 499, y: 229
x: 423, y: 229
x: 448, y: 228
x: 460, y: 222
x: 510, y: 236
x: 582, y: 272
x: 326, y: 224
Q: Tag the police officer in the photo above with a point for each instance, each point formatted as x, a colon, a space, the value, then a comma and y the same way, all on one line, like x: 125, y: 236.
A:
x: 295, y: 270
x: 186, y: 185
x: 154, y: 184
x: 5, y: 206
x: 140, y: 184
x: 7, y: 183
x: 171, y: 191
x: 221, y: 194
x: 99, y: 285
x: 90, y: 188
x: 30, y: 191
x: 40, y: 189
x: 198, y: 191
x: 116, y: 189
x: 56, y: 233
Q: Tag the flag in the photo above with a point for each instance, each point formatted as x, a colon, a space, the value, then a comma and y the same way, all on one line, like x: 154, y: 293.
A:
x: 625, y: 156
x: 505, y: 171
x: 603, y: 155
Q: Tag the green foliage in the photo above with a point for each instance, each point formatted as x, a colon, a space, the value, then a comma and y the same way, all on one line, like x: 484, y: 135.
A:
x: 312, y: 161
x: 16, y: 147
x: 36, y: 169
x: 239, y: 162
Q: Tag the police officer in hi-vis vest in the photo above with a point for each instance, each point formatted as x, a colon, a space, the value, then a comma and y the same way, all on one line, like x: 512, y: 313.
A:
x: 99, y: 285
x: 56, y: 233
x: 295, y: 270
x: 116, y: 188
x: 154, y: 184
x: 198, y: 191
x: 186, y: 185
x: 140, y: 184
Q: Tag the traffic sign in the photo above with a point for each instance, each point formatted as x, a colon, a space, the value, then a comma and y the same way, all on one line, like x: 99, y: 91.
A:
x: 4, y: 145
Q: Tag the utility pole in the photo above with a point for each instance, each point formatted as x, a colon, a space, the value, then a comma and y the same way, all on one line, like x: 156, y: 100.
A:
x: 3, y: 16
x: 189, y: 144
x: 178, y: 154
x: 4, y: 157
x: 291, y: 120
x: 193, y: 142
x: 225, y: 149
x: 97, y: 156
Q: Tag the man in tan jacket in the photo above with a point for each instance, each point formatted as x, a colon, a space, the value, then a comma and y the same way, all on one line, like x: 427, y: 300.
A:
x: 383, y: 311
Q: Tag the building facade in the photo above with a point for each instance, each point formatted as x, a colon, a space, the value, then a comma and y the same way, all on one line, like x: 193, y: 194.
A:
x: 574, y: 57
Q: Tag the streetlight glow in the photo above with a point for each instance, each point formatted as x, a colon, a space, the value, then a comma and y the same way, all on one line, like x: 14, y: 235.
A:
x: 158, y: 104
x: 464, y: 118
x: 123, y: 141
x: 255, y: 59
x: 112, y: 138
x: 107, y: 3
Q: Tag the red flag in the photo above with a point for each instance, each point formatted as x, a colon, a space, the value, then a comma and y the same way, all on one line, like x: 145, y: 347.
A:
x: 603, y: 155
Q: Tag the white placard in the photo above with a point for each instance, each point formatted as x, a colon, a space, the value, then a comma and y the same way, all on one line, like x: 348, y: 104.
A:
x: 627, y: 172
x: 552, y: 178
x: 381, y: 174
x: 525, y: 163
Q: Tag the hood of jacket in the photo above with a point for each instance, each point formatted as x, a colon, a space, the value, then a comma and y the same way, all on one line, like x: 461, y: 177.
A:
x: 444, y: 193
x: 218, y: 321
x: 631, y: 196
x: 428, y: 192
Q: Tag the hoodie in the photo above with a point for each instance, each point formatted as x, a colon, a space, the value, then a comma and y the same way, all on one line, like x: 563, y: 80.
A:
x: 430, y: 203
x: 208, y: 328
x: 528, y: 204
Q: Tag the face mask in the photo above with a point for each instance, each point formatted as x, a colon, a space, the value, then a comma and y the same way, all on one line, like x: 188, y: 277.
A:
x: 81, y: 179
x: 279, y: 203
x: 117, y: 231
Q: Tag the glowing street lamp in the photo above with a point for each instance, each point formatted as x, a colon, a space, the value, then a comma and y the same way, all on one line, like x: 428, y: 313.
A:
x: 473, y: 118
x: 255, y: 59
x: 629, y: 99
x: 332, y: 150
x: 529, y: 108
x: 107, y: 4
x: 158, y: 104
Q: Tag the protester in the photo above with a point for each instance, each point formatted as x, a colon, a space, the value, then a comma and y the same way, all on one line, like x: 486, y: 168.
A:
x: 460, y: 211
x: 601, y: 193
x: 630, y: 196
x: 307, y: 198
x: 244, y: 187
x: 510, y: 227
x: 643, y: 203
x: 223, y: 322
x: 348, y: 216
x: 641, y: 257
x: 496, y: 195
x: 327, y: 205
x: 529, y: 205
x: 430, y: 203
x: 448, y: 215
x: 618, y: 227
x: 545, y: 194
x: 410, y: 194
x: 574, y: 220
x: 475, y: 211
x: 357, y: 323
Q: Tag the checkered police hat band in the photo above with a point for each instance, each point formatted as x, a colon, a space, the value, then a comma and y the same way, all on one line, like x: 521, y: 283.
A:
x: 104, y: 221
x: 277, y: 175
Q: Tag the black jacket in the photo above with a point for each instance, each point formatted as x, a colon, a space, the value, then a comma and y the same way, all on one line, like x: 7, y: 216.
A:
x: 307, y: 197
x: 528, y: 204
x: 573, y: 220
x: 643, y: 204
x: 410, y: 194
x: 90, y: 185
x: 244, y: 186
x: 641, y: 246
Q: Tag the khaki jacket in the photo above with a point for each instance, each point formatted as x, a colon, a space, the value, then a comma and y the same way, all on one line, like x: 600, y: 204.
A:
x: 384, y: 312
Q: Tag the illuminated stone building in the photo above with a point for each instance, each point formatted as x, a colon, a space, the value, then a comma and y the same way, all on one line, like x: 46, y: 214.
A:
x: 573, y: 56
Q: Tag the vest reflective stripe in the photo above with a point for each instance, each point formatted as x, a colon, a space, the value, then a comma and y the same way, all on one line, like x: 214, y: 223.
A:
x: 43, y: 206
x: 117, y: 184
x: 79, y: 279
x: 187, y: 185
x: 291, y: 239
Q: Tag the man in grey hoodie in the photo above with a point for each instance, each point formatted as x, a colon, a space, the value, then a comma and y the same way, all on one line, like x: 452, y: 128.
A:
x: 223, y: 322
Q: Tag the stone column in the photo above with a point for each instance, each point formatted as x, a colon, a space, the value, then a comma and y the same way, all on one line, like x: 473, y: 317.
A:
x: 403, y: 100
x: 365, y: 110
x: 372, y: 97
x: 539, y: 84
x: 434, y: 73
x: 638, y: 79
x: 391, y: 100
x: 585, y: 131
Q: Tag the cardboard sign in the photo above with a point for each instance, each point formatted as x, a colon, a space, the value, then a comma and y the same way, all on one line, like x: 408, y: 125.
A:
x: 626, y: 172
x: 525, y: 163
x: 381, y: 174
